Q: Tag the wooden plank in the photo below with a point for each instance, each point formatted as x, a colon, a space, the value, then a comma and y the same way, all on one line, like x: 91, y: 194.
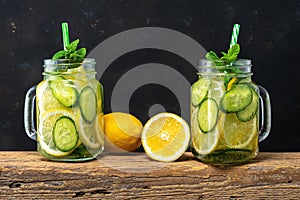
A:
x: 27, y: 175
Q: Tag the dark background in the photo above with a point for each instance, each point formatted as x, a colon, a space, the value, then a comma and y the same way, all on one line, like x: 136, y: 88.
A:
x: 30, y: 31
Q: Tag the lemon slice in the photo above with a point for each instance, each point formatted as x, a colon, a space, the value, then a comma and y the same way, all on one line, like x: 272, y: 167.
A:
x: 206, y: 143
x: 239, y: 134
x: 45, y: 136
x: 77, y: 73
x: 217, y: 89
x: 165, y: 137
x: 91, y: 134
x: 45, y: 99
x: 231, y: 83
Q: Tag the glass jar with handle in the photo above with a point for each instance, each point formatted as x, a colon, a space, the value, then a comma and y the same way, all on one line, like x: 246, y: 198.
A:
x: 230, y: 114
x: 68, y: 105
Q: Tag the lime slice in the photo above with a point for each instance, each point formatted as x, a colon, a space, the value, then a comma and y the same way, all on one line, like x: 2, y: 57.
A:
x: 91, y: 134
x: 45, y: 135
x: 239, y: 134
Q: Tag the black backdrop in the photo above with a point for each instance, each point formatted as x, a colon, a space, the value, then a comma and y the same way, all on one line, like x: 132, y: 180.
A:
x: 30, y: 31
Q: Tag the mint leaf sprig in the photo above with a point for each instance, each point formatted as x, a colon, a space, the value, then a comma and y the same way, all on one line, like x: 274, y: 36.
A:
x: 72, y: 54
x: 227, y: 59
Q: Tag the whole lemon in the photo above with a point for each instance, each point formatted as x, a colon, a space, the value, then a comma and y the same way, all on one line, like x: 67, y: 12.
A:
x: 122, y: 131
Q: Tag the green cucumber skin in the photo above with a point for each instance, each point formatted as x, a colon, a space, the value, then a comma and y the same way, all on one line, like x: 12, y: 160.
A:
x: 83, y: 99
x: 251, y: 110
x: 198, y: 96
x: 61, y: 99
x: 214, y: 114
x: 241, y: 102
x: 58, y: 141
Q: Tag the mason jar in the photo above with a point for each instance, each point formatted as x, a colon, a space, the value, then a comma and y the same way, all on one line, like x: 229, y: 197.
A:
x: 230, y: 114
x: 68, y: 105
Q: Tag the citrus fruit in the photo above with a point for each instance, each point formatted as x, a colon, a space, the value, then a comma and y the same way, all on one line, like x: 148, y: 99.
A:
x: 165, y: 137
x: 77, y: 74
x: 205, y: 143
x: 45, y: 132
x: 217, y: 89
x: 239, y: 134
x: 91, y: 134
x: 122, y: 131
x: 45, y: 99
x: 231, y: 83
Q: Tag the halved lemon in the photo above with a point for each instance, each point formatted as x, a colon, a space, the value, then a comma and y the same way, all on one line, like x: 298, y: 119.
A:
x: 165, y: 137
x: 122, y: 132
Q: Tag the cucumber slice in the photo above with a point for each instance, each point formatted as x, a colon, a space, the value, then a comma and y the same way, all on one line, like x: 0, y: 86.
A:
x: 199, y: 90
x: 237, y: 98
x: 88, y: 104
x: 65, y: 135
x: 64, y: 91
x: 208, y: 115
x: 250, y: 111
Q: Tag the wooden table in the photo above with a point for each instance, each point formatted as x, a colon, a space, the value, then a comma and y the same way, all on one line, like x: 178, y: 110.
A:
x: 27, y: 175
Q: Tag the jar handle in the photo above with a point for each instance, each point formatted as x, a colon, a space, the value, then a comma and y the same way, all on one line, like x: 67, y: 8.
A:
x: 29, y: 113
x: 265, y: 107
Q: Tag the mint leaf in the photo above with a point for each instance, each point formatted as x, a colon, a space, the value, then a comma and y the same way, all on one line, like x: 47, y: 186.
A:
x: 72, y: 46
x: 81, y: 52
x: 212, y: 56
x: 227, y: 58
x: 234, y: 50
x: 73, y: 55
x: 59, y: 55
x: 232, y: 54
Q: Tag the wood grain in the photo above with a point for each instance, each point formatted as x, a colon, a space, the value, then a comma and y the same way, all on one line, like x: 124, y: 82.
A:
x: 27, y: 175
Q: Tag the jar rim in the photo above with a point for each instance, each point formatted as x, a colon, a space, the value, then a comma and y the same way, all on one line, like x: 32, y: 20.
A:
x: 239, y: 62
x: 240, y: 66
x: 63, y: 62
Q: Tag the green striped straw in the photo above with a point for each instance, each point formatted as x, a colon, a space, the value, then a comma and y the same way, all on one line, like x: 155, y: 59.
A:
x: 65, y: 32
x: 235, y: 34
